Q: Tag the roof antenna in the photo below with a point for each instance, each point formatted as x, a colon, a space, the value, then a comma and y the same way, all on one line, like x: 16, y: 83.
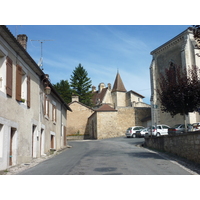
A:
x: 40, y: 63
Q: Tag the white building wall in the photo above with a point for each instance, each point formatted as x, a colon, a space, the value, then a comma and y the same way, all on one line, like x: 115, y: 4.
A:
x: 30, y: 128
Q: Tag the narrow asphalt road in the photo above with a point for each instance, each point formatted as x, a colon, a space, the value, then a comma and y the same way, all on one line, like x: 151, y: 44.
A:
x: 115, y: 156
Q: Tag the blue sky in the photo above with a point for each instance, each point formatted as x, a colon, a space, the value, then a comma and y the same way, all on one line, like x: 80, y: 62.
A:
x: 101, y: 49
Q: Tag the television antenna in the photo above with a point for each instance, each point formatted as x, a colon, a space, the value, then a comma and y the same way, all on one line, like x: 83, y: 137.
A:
x: 40, y: 63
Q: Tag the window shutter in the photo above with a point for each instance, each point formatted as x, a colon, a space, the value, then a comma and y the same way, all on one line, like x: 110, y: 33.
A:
x: 28, y: 91
x: 47, y: 107
x: 18, y: 82
x: 9, y: 77
x: 45, y: 99
x: 55, y: 114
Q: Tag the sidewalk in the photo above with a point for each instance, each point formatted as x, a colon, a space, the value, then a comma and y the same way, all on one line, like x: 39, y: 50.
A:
x: 18, y: 168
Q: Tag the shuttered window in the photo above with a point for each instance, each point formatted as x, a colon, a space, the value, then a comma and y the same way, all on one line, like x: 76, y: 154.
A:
x: 46, y: 106
x: 28, y: 91
x: 54, y: 115
x: 9, y: 76
x: 18, y: 82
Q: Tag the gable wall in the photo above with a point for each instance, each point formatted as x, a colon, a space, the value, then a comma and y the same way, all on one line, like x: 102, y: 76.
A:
x: 77, y: 119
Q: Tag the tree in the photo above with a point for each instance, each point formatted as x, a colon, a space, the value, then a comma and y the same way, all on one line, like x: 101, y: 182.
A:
x: 179, y: 90
x: 196, y: 33
x: 63, y: 88
x: 81, y: 85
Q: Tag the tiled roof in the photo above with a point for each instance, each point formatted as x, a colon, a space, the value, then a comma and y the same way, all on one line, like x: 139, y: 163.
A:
x: 80, y: 104
x: 136, y: 93
x: 118, y: 84
x: 99, y: 96
x: 105, y: 107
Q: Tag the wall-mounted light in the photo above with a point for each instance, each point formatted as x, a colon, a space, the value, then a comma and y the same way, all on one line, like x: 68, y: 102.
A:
x: 45, y: 81
x: 47, y: 90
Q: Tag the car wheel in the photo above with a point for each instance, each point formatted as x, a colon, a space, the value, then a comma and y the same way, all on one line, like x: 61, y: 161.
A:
x: 134, y: 136
x: 157, y: 134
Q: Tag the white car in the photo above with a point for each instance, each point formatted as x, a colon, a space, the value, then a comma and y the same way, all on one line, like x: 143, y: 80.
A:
x: 131, y: 131
x: 158, y: 130
x: 142, y: 132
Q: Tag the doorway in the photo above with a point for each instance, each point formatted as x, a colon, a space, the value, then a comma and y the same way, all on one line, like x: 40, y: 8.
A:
x: 33, y: 141
x: 11, y: 154
x: 52, y: 141
x: 42, y: 142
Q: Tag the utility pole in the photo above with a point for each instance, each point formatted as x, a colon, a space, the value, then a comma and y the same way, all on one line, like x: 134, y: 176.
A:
x: 40, y: 64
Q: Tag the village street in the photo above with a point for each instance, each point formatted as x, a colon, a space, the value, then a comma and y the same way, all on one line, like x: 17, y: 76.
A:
x: 115, y: 156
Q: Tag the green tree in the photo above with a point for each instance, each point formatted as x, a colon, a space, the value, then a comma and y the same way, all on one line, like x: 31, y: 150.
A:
x: 81, y: 85
x: 63, y: 88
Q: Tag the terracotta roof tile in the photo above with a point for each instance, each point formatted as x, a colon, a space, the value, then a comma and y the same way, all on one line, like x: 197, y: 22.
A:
x: 99, y: 96
x: 105, y: 107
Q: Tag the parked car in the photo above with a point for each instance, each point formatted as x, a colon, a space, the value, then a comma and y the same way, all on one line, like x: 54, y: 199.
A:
x: 131, y: 131
x: 178, y: 128
x: 195, y: 127
x: 158, y: 130
x: 142, y: 132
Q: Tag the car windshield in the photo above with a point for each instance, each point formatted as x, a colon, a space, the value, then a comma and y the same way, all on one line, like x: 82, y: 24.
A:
x: 176, y: 126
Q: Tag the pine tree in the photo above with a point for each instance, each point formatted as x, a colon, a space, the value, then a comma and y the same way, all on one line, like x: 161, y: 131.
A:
x: 81, y: 85
x: 63, y: 88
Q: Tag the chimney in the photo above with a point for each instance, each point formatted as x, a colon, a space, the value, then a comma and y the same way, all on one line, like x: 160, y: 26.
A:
x: 101, y: 86
x: 93, y: 89
x: 75, y: 98
x: 22, y: 39
x: 109, y: 86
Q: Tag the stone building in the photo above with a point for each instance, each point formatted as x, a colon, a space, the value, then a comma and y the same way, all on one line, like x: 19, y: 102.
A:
x: 116, y: 109
x: 77, y: 120
x: 32, y: 114
x: 182, y: 52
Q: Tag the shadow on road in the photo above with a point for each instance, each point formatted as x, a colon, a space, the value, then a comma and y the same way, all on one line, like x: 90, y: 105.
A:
x: 145, y: 155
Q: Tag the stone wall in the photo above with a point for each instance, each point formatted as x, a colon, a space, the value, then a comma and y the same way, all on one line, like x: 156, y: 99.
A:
x: 186, y: 145
x: 77, y: 120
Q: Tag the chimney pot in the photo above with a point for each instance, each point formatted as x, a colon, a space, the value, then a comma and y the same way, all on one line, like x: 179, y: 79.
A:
x: 75, y: 98
x: 22, y: 39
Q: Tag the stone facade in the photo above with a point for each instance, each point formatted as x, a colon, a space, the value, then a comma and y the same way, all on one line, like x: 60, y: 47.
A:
x: 186, y: 145
x: 182, y: 52
x: 113, y: 123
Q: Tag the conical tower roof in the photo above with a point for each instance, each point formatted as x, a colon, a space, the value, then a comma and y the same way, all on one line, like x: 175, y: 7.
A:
x: 118, y: 84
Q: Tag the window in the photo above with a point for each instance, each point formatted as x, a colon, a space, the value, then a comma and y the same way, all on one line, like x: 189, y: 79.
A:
x: 46, y: 106
x: 54, y: 115
x: 28, y: 91
x: 22, y: 86
x: 18, y: 82
x: 3, y: 61
x: 54, y: 112
x: 9, y: 76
